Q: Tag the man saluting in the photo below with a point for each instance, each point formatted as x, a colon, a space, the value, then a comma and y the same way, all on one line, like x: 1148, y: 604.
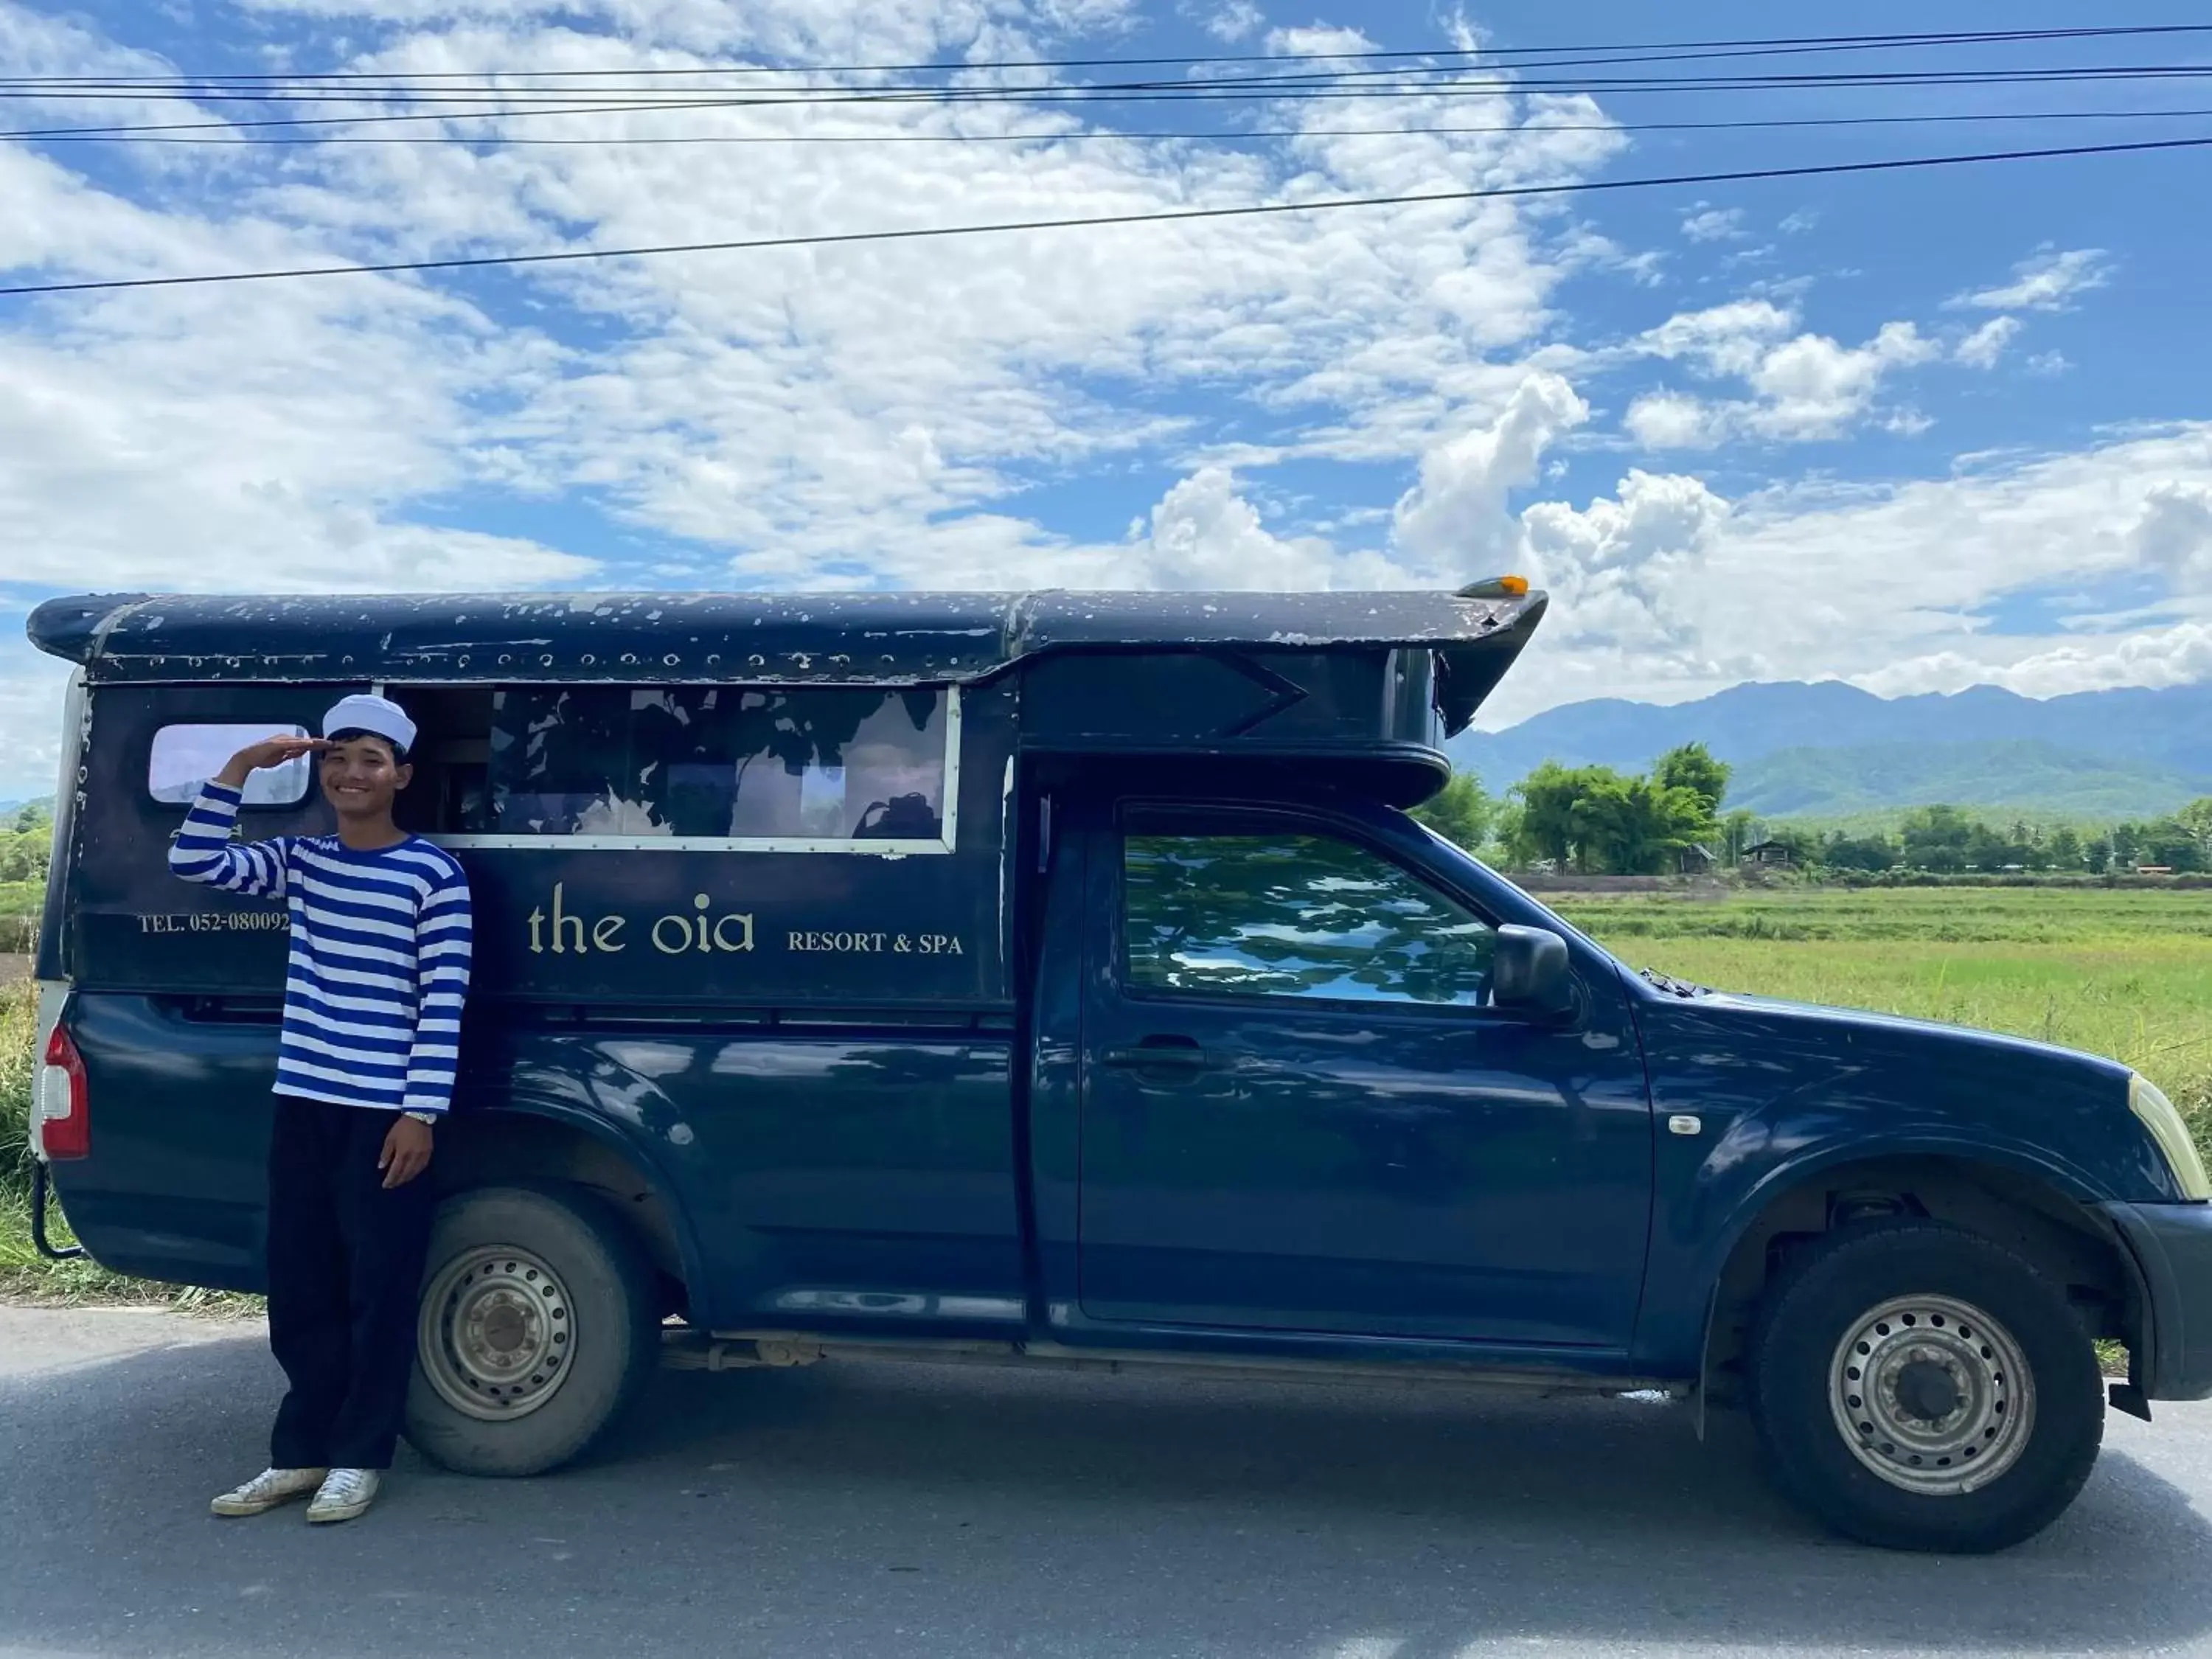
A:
x: 372, y: 994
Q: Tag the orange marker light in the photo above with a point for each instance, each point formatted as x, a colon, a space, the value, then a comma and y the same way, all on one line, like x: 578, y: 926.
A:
x: 1497, y: 587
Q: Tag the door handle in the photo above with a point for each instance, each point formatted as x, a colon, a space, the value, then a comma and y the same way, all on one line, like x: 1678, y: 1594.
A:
x: 1167, y: 1054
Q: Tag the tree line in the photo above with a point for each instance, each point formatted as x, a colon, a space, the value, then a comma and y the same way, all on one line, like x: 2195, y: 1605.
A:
x: 1596, y: 820
x: 1949, y: 841
x: 26, y: 836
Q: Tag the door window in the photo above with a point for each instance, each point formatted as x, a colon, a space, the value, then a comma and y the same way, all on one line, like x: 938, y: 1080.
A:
x: 1286, y: 914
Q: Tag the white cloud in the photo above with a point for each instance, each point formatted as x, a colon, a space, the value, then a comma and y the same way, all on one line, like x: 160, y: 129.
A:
x: 1236, y: 20
x: 1609, y: 565
x: 1205, y: 535
x: 1799, y: 222
x: 1317, y: 39
x: 1455, y: 517
x: 1707, y: 224
x: 2177, y: 655
x: 1982, y: 349
x: 817, y: 31
x: 197, y: 439
x: 1584, y: 248
x: 1668, y: 592
x: 813, y: 415
x: 2174, y: 535
x: 2045, y: 281
x: 31, y: 688
x: 1812, y: 387
x: 1804, y: 387
x: 1674, y: 420
x: 1728, y: 339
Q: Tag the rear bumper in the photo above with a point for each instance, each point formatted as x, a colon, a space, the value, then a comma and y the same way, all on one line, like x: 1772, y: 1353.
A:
x: 2172, y: 1243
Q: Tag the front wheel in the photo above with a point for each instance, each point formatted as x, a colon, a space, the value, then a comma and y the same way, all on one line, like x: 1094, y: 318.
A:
x: 538, y: 1328
x: 1919, y: 1387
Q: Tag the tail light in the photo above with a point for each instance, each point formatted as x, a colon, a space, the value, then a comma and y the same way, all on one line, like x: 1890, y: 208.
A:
x: 65, y: 1125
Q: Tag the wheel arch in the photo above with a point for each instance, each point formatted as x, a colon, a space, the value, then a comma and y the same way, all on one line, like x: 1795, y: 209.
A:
x: 2028, y: 1207
x: 536, y: 1143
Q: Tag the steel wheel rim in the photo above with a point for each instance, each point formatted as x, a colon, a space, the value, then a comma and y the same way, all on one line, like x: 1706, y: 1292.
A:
x: 497, y: 1333
x: 1932, y: 1394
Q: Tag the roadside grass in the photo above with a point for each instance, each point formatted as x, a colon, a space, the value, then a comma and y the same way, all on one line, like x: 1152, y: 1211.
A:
x: 20, y: 902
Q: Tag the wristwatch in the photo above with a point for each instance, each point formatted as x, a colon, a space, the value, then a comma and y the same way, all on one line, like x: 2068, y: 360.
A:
x: 430, y: 1118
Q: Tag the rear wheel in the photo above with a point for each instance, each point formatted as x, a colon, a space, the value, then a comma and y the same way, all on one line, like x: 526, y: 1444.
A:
x: 1919, y: 1387
x: 538, y: 1328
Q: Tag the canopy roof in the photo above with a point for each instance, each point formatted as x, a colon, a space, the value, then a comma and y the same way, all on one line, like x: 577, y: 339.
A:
x: 889, y: 638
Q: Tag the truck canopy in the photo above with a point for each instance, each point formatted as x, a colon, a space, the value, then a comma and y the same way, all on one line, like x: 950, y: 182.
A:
x: 805, y: 801
x: 884, y: 639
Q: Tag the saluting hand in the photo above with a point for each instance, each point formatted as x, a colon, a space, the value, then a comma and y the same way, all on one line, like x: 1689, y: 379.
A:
x: 406, y: 1151
x: 270, y: 752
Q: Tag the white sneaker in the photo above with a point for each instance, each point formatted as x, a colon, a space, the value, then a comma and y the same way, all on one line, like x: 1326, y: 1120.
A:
x: 344, y: 1493
x: 267, y: 1490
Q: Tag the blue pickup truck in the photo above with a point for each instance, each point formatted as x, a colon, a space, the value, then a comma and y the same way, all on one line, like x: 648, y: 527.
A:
x: 1058, y: 979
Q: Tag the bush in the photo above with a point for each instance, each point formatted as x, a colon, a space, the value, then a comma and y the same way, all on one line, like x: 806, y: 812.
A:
x: 18, y: 1032
x: 23, y: 854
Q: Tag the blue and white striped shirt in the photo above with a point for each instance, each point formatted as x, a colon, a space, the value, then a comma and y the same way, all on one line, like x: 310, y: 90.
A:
x: 379, y: 963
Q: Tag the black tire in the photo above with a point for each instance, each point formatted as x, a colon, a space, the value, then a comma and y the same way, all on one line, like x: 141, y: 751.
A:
x: 601, y: 1339
x: 1821, y: 1301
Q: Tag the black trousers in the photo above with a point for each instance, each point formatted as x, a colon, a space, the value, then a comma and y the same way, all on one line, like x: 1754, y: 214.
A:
x: 345, y: 1269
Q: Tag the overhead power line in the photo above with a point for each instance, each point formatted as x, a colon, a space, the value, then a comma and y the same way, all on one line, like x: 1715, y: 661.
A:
x: 1781, y: 43
x: 1441, y: 82
x: 1070, y: 96
x: 404, y: 84
x: 1114, y: 135
x: 922, y: 233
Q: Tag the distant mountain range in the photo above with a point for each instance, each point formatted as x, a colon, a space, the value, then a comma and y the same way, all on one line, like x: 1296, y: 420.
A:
x: 1829, y: 750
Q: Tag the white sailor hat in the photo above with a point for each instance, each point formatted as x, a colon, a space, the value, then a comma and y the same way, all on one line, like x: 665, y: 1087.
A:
x: 363, y: 713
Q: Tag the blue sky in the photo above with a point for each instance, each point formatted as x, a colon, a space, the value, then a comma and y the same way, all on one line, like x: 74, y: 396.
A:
x: 1920, y: 430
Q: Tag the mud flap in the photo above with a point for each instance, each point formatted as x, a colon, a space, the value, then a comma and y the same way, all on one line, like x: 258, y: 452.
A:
x: 46, y: 1246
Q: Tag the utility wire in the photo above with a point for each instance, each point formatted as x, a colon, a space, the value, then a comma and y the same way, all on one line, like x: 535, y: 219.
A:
x: 403, y: 83
x: 918, y: 233
x: 1304, y: 88
x: 1248, y: 135
x: 1050, y: 96
x: 1808, y: 42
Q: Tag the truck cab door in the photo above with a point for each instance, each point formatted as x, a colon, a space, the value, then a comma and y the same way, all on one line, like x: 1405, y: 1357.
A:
x: 1300, y: 1111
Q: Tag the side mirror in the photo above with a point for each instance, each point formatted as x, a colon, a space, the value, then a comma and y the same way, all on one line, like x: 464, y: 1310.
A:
x: 1528, y: 971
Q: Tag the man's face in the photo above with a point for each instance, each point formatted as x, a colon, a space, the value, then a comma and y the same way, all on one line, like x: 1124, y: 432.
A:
x: 360, y: 777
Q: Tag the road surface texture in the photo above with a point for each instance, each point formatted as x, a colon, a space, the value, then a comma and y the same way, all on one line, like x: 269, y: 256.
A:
x: 905, y: 1512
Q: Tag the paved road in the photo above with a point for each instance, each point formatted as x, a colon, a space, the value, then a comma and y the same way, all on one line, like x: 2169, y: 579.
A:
x: 890, y: 1512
